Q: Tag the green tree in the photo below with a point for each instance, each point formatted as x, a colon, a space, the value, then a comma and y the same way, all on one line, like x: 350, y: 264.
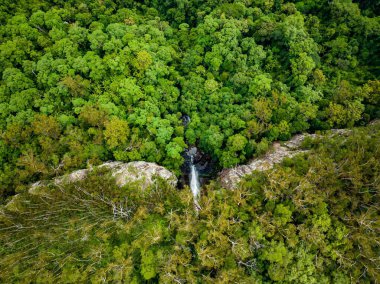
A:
x: 116, y: 132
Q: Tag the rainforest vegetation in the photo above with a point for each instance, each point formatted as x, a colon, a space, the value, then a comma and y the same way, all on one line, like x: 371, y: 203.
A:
x: 84, y: 82
x: 314, y: 219
x: 90, y: 81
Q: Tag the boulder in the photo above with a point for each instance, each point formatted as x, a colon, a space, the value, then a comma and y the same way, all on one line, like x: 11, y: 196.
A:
x: 143, y: 172
x: 140, y: 172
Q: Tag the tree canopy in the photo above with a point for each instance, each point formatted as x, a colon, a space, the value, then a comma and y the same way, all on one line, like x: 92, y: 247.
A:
x: 84, y: 82
x: 88, y: 81
x: 312, y: 219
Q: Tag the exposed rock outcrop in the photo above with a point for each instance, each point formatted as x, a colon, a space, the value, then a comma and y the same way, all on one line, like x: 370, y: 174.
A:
x: 142, y: 172
x: 230, y: 178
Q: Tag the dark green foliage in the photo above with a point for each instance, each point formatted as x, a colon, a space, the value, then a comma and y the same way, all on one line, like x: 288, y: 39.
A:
x: 313, y: 219
x: 82, y: 82
x: 246, y: 72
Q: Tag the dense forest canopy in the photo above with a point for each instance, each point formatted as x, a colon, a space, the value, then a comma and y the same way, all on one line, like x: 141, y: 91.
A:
x: 313, y: 219
x: 84, y: 82
x: 89, y: 81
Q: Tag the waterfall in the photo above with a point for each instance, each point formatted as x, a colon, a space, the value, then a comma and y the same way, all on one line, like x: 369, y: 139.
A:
x: 194, y: 175
x: 194, y: 180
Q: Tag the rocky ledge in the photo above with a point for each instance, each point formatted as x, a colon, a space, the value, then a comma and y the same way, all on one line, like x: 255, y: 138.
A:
x: 142, y: 172
x: 230, y: 178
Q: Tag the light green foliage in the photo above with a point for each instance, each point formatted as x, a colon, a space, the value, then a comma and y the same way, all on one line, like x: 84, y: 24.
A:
x: 148, y: 262
x: 175, y: 148
x: 143, y: 60
x: 116, y: 132
x: 282, y: 214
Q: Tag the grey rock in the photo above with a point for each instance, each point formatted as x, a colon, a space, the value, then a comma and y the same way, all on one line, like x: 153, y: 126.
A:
x: 230, y: 178
x: 72, y: 177
x: 140, y: 172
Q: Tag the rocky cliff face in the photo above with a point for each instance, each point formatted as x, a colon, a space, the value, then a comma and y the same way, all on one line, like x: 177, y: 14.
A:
x: 142, y: 172
x: 230, y: 178
x: 145, y: 173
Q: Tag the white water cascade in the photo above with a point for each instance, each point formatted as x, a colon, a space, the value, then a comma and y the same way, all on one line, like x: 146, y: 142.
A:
x: 194, y: 181
x: 194, y: 176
